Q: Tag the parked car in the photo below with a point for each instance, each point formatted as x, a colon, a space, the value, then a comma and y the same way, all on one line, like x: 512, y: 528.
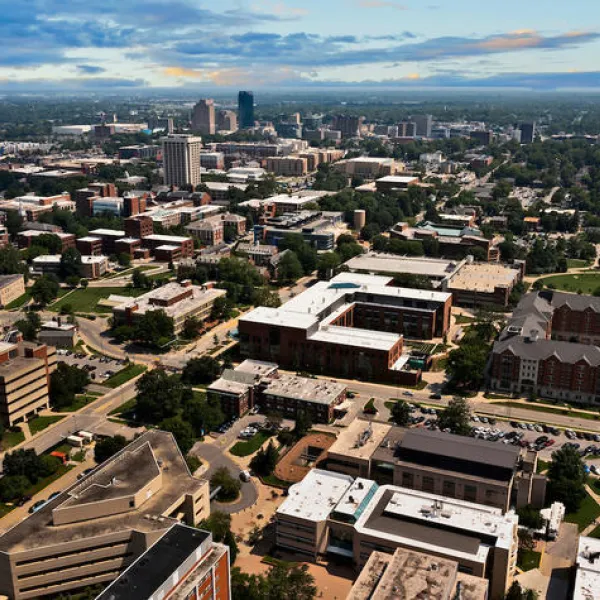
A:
x: 37, y: 506
x: 436, y: 396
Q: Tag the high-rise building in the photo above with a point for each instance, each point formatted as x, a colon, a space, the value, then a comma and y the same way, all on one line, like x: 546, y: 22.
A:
x: 227, y: 120
x: 184, y: 563
x: 527, y: 133
x: 424, y: 124
x: 181, y: 159
x: 203, y: 117
x: 246, y: 109
x: 349, y: 125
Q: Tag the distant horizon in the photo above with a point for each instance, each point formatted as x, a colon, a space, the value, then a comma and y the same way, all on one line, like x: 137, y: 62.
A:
x: 69, y: 45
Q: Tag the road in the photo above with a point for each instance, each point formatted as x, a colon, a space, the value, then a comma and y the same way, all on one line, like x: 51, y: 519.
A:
x: 91, y: 418
x: 385, y: 392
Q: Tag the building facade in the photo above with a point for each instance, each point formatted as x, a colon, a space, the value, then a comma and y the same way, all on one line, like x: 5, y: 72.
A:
x: 246, y: 109
x: 100, y: 524
x: 185, y: 564
x: 181, y: 159
x: 203, y: 117
x: 11, y: 288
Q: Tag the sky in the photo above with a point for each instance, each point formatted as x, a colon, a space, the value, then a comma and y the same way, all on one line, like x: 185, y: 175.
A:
x: 116, y: 45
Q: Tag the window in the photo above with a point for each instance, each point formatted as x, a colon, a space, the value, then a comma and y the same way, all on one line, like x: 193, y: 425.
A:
x: 407, y: 479
x: 428, y: 484
x: 470, y: 493
x: 449, y: 489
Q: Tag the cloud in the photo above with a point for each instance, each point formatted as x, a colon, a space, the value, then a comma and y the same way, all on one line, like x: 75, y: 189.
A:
x: 90, y: 69
x: 73, y: 85
x: 381, y: 4
x: 307, y: 50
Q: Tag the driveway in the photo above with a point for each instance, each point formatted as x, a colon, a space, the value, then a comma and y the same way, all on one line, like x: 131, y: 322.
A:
x: 216, y: 458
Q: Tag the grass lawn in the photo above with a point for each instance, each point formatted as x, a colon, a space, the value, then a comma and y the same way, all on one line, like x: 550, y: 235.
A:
x: 80, y: 401
x: 43, y: 483
x: 275, y: 481
x: 586, y: 282
x: 528, y: 559
x: 462, y: 319
x: 39, y: 423
x: 595, y: 533
x: 577, y: 263
x: 588, y: 512
x: 18, y: 302
x: 567, y: 412
x: 11, y: 439
x: 124, y: 408
x: 250, y: 446
x: 87, y: 300
x: 542, y: 465
x: 124, y: 375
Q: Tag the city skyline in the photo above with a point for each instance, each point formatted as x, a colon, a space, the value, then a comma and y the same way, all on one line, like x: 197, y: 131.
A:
x: 264, y: 44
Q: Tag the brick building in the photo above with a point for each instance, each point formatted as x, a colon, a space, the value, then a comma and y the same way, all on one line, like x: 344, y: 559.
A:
x: 109, y: 238
x: 139, y: 226
x: 184, y: 244
x: 549, y: 348
x: 26, y: 239
x: 89, y: 245
x: 352, y: 325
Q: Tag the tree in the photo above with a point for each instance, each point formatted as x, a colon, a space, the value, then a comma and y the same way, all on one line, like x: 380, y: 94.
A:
x: 191, y: 327
x: 456, y: 417
x: 221, y: 309
x: 70, y: 263
x: 327, y: 264
x: 566, y: 478
x: 219, y: 524
x: 230, y: 486
x: 108, y: 447
x: 203, y: 414
x: 284, y: 580
x: 139, y: 280
x: 530, y: 517
x: 22, y: 462
x: 14, y: 487
x: 159, y: 396
x: 289, y: 268
x: 124, y: 259
x: 400, y: 413
x: 29, y: 326
x: 44, y: 290
x: 515, y: 592
x: 264, y: 461
x: 181, y: 430
x: 263, y: 296
x: 10, y: 261
x: 466, y: 364
x: 154, y: 328
x: 303, y: 424
x: 307, y: 255
x: 204, y: 369
x: 65, y: 382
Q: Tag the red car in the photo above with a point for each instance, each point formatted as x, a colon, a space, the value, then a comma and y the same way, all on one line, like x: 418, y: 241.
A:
x: 549, y: 443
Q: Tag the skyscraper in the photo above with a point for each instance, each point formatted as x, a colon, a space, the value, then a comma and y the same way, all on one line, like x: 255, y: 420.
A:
x: 527, y: 133
x: 181, y: 159
x: 246, y: 109
x: 203, y: 117
x: 227, y: 120
x: 424, y: 124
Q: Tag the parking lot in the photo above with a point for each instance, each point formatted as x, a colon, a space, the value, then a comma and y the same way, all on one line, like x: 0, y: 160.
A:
x: 543, y: 438
x: 100, y: 368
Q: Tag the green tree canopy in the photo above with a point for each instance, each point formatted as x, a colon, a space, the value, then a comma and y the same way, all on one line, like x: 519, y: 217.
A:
x: 400, y: 413
x: 566, y: 478
x: 456, y: 417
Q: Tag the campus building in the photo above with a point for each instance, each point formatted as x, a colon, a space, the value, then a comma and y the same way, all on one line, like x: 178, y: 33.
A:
x: 99, y: 525
x: 25, y: 370
x: 26, y: 239
x: 156, y: 242
x: 587, y: 580
x: 185, y: 564
x: 11, y: 288
x: 440, y: 463
x: 454, y: 238
x: 339, y: 516
x: 179, y: 301
x: 549, y: 348
x: 259, y: 383
x: 352, y: 324
x: 412, y: 575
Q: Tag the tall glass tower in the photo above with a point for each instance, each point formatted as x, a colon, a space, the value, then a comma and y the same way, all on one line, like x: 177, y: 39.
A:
x: 246, y: 109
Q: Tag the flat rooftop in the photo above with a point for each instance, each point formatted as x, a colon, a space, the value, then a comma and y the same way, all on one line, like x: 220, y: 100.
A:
x: 459, y: 447
x: 436, y: 524
x: 411, y: 575
x: 155, y: 566
x: 258, y: 368
x: 587, y: 581
x: 360, y: 439
x: 391, y: 263
x: 155, y: 237
x: 401, y: 179
x: 108, y: 232
x: 484, y: 278
x: 356, y: 498
x: 321, y: 391
x: 353, y: 336
x: 38, y: 530
x: 315, y: 496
